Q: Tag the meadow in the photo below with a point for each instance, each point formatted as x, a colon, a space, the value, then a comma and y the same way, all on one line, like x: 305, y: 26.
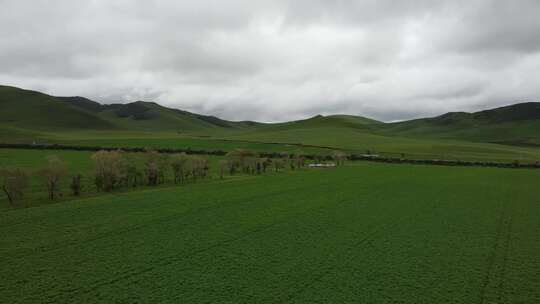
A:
x: 364, y: 232
x: 311, y: 140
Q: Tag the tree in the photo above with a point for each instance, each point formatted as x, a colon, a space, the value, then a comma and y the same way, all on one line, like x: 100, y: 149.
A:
x: 266, y: 162
x: 179, y: 165
x: 107, y: 169
x: 130, y: 174
x: 223, y: 167
x: 163, y: 164
x: 278, y: 164
x: 244, y: 160
x: 299, y: 159
x: 155, y: 168
x: 75, y: 185
x: 339, y: 157
x: 151, y: 168
x: 53, y: 173
x: 13, y: 182
x: 199, y: 167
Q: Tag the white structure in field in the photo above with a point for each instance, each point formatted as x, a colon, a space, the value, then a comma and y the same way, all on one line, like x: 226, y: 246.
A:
x: 327, y: 165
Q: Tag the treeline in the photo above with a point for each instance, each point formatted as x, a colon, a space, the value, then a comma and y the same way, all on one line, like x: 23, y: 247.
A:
x: 441, y: 162
x: 100, y: 148
x: 188, y: 151
x: 119, y: 169
x: 112, y: 170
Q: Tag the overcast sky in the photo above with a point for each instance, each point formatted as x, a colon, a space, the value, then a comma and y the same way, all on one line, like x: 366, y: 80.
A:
x: 278, y: 60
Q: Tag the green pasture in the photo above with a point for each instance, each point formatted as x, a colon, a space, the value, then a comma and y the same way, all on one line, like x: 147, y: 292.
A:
x: 362, y: 233
x: 360, y: 141
x: 318, y: 141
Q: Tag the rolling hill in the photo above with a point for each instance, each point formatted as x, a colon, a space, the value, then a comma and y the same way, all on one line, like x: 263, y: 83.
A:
x: 517, y: 124
x: 29, y: 114
x: 26, y: 111
x: 34, y: 111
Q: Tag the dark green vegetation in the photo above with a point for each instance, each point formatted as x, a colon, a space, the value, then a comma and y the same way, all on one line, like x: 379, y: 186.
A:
x: 505, y: 134
x: 361, y: 233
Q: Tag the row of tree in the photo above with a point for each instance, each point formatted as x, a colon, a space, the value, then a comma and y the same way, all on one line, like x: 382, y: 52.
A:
x: 112, y: 170
x: 15, y: 181
x: 117, y: 169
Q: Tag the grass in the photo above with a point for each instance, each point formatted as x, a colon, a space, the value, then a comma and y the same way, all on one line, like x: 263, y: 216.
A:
x: 360, y: 141
x: 350, y: 140
x: 365, y: 232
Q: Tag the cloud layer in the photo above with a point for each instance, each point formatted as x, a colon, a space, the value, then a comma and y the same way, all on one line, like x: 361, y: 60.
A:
x: 278, y: 60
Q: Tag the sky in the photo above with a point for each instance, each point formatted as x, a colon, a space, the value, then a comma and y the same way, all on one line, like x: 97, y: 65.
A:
x: 278, y: 60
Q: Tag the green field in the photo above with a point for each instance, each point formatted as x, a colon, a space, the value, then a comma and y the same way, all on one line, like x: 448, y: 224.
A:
x: 362, y: 233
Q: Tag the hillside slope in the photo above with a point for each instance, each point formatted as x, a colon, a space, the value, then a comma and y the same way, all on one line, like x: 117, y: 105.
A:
x: 27, y: 111
x: 517, y: 124
x: 34, y: 110
x: 150, y: 116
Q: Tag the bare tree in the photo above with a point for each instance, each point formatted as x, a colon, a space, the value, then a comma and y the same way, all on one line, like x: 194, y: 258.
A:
x: 13, y: 183
x: 266, y: 162
x: 278, y: 164
x: 130, y: 174
x: 199, y: 167
x: 241, y: 159
x: 53, y: 173
x: 179, y: 164
x: 155, y: 168
x: 223, y: 167
x: 108, y: 169
x: 151, y: 168
x: 163, y: 165
x: 300, y: 159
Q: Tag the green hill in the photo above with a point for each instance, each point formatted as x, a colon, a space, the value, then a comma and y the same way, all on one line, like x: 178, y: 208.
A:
x: 28, y: 116
x: 150, y: 116
x: 27, y: 111
x: 36, y: 111
x: 321, y: 122
x: 517, y: 124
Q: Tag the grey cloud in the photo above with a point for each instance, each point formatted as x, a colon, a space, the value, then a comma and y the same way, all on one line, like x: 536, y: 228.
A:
x: 278, y: 60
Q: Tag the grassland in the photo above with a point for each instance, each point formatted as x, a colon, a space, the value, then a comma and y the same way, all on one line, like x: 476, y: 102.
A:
x: 311, y: 140
x: 365, y: 232
x: 359, y: 141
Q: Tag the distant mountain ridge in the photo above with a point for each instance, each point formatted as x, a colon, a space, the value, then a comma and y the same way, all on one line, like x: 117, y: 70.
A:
x: 30, y: 110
